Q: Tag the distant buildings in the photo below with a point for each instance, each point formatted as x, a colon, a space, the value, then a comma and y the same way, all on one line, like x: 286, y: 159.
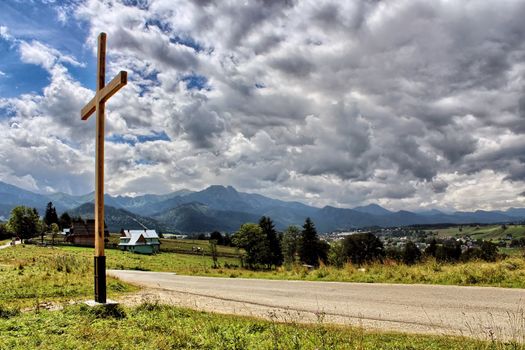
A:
x: 83, y: 233
x: 140, y: 241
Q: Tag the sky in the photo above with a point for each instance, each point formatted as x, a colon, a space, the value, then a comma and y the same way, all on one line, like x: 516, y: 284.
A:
x: 409, y: 104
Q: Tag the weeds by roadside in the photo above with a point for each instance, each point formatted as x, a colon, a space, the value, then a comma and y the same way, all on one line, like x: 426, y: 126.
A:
x: 152, y: 325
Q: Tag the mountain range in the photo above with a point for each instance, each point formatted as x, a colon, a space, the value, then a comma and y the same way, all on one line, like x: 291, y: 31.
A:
x: 225, y: 209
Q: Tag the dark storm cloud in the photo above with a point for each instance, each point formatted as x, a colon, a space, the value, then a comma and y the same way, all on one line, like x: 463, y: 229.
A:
x: 159, y: 48
x: 267, y: 43
x: 407, y: 155
x: 198, y: 124
x: 439, y: 186
x: 454, y: 142
x: 521, y: 108
x: 295, y: 65
x: 247, y: 18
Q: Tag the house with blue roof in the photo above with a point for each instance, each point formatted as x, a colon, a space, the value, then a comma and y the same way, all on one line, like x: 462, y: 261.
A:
x: 140, y: 241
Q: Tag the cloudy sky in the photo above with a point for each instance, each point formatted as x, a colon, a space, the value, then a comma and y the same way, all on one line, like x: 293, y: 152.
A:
x: 409, y: 104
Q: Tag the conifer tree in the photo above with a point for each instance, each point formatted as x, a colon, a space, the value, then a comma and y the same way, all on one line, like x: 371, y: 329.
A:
x: 50, y: 216
x: 275, y: 255
x: 308, y: 250
x: 290, y: 244
x: 64, y: 221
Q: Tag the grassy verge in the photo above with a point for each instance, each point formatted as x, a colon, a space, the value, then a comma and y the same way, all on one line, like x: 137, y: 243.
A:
x: 153, y: 326
x: 509, y: 272
x: 173, y: 262
x: 30, y: 275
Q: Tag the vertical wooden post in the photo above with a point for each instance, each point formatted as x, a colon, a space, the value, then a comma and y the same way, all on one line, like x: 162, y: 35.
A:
x: 97, y: 106
x: 100, y: 263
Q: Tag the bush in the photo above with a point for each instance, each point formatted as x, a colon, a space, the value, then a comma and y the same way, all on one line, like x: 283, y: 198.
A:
x: 4, y: 232
x: 6, y: 312
x: 450, y: 251
x: 487, y: 251
x: 336, y: 254
x: 411, y: 253
x: 394, y: 254
x: 363, y: 247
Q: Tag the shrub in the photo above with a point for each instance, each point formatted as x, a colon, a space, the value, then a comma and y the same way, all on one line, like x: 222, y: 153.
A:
x: 336, y: 254
x: 411, y: 253
x: 6, y: 312
x: 363, y: 247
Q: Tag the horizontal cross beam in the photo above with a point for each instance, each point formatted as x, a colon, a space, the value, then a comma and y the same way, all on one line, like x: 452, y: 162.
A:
x: 103, y: 95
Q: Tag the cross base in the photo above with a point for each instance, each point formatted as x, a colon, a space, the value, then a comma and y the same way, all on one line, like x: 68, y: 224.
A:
x: 100, y: 279
x: 108, y: 303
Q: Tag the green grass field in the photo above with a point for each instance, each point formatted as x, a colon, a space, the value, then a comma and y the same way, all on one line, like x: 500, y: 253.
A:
x: 509, y: 272
x: 185, y: 246
x: 490, y: 232
x: 30, y: 275
x: 181, y: 263
x: 154, y: 326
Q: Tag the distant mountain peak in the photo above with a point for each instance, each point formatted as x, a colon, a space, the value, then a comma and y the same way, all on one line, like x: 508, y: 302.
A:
x: 431, y: 212
x: 373, y: 208
x: 224, y: 208
x: 220, y: 189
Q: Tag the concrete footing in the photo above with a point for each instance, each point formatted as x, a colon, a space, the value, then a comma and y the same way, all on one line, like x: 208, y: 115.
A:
x: 108, y: 303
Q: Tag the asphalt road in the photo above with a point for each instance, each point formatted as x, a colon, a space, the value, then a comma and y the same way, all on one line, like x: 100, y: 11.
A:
x: 7, y: 245
x: 481, y: 312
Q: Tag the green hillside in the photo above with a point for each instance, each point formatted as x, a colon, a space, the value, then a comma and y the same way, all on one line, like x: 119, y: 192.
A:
x: 117, y: 219
x: 490, y: 232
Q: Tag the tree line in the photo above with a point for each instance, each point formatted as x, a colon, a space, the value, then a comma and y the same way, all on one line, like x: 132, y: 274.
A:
x: 25, y: 222
x: 264, y: 247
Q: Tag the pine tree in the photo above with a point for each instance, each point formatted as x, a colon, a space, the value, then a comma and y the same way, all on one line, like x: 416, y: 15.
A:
x: 51, y: 216
x: 65, y: 220
x: 275, y: 255
x: 308, y: 250
x: 290, y: 244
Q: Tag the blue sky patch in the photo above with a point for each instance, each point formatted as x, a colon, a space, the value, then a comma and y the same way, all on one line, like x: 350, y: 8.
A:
x: 141, y: 4
x: 196, y: 82
x: 6, y: 112
x: 187, y: 41
x: 155, y: 136
x: 119, y: 138
x: 35, y: 20
x: 163, y: 26
x: 134, y: 139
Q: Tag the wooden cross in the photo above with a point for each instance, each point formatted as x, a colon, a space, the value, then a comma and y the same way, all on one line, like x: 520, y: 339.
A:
x: 97, y: 104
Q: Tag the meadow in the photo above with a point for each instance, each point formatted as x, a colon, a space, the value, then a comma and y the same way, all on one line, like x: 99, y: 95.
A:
x: 485, y: 232
x: 154, y: 326
x: 32, y: 277
x: 509, y: 272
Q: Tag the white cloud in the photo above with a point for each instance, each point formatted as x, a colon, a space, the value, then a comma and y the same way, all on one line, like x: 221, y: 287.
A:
x: 43, y: 55
x: 4, y: 33
x: 408, y: 104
